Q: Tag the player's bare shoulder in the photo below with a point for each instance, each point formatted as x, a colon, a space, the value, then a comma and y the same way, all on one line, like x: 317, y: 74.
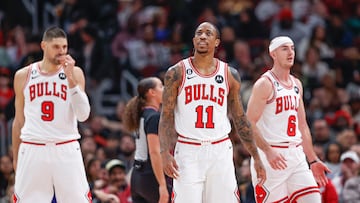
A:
x: 20, y: 77
x: 173, y: 76
x: 263, y: 87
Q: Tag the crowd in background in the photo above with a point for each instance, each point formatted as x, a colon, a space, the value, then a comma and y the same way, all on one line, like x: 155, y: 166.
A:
x: 116, y: 40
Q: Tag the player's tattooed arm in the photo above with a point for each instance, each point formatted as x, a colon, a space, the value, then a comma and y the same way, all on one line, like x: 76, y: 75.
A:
x: 235, y: 107
x: 167, y: 133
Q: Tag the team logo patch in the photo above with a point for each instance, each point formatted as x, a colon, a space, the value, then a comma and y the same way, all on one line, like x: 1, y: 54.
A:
x: 261, y: 194
x: 34, y: 74
x: 62, y: 76
x: 189, y: 72
x: 277, y: 86
x: 296, y: 89
x: 219, y: 79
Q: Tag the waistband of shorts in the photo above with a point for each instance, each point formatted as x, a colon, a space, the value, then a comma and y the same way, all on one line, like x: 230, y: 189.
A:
x: 50, y: 143
x: 185, y: 140
x: 286, y: 145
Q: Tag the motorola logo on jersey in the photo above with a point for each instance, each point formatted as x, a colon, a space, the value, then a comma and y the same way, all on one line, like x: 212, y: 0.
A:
x: 62, y: 76
x: 219, y: 79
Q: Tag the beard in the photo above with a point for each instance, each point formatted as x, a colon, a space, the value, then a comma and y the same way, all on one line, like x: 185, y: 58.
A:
x: 202, y: 51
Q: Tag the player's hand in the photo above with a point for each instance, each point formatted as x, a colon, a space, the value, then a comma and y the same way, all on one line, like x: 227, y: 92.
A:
x: 260, y: 171
x: 68, y: 64
x: 170, y: 165
x: 276, y: 160
x: 319, y: 170
x: 164, y: 194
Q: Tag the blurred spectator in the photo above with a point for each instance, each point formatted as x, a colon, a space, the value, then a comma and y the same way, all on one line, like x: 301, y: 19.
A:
x: 92, y: 58
x: 119, y: 44
x: 146, y: 56
x: 266, y: 10
x: 115, y: 122
x: 318, y: 39
x: 328, y: 193
x: 332, y: 159
x: 242, y: 60
x: 322, y: 133
x: 225, y: 50
x: 338, y: 33
x: 349, y: 169
x: 330, y: 96
x: 353, y: 22
x: 6, y: 175
x: 346, y: 138
x: 127, y: 150
x: 248, y: 26
x: 33, y: 51
x: 161, y: 25
x: 6, y: 90
x: 286, y: 25
x: 118, y: 189
x: 313, y: 69
x: 88, y: 147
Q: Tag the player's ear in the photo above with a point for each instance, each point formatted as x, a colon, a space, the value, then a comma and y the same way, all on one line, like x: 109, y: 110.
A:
x: 217, y: 43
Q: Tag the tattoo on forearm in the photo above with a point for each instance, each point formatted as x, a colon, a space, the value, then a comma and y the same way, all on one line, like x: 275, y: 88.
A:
x: 167, y: 133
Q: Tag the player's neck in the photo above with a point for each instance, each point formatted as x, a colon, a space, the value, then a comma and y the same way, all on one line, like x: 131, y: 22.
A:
x: 47, y: 67
x: 204, y: 64
x: 281, y: 74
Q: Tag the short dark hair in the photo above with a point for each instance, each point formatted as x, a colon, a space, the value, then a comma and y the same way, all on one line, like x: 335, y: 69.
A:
x: 53, y: 32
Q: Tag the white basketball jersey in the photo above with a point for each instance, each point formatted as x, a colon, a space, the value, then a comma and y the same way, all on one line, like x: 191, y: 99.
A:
x: 279, y: 121
x: 48, y: 113
x: 201, y: 110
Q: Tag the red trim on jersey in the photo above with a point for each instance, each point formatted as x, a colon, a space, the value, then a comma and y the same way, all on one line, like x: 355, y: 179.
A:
x: 226, y: 73
x: 43, y: 144
x: 47, y: 74
x: 182, y: 64
x: 202, y: 75
x: 289, y: 87
x: 308, y: 190
x: 273, y: 87
x: 27, y: 77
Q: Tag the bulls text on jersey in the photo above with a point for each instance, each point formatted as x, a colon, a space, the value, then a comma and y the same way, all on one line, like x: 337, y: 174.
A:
x: 204, y: 92
x: 47, y: 89
x: 286, y: 103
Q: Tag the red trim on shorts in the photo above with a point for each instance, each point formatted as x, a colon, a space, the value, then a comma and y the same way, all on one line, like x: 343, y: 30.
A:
x: 199, y: 142
x: 308, y: 190
x: 282, y: 200
x: 284, y: 146
x: 43, y: 144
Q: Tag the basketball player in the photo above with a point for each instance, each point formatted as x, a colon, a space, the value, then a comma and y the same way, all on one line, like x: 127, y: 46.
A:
x: 49, y: 101
x: 148, y: 183
x: 199, y: 94
x: 276, y: 111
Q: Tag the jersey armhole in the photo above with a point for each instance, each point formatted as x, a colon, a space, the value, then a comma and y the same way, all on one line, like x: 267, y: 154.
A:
x: 183, y: 68
x: 273, y: 95
x: 226, y: 74
x: 27, y: 76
